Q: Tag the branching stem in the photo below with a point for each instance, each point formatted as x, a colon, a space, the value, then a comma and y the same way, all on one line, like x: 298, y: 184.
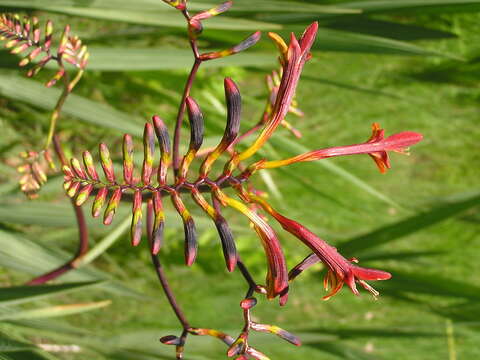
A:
x: 161, y: 274
x: 58, y: 107
x: 82, y: 232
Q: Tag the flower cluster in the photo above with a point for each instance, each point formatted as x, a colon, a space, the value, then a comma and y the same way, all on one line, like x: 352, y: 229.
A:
x: 170, y: 176
x: 142, y: 187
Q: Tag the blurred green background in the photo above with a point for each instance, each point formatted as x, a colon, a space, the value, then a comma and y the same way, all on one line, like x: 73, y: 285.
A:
x: 407, y: 64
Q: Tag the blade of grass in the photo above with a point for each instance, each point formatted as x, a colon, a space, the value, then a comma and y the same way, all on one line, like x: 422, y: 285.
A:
x: 22, y: 294
x: 244, y: 6
x: 8, y: 344
x: 22, y: 254
x: 430, y: 6
x: 159, y: 16
x: 106, y: 242
x: 342, y: 351
x: 389, y: 29
x: 410, y: 225
x: 54, y: 311
x: 27, y: 355
x: 32, y: 92
x: 377, y: 332
x: 351, y: 87
x: 334, y: 40
x: 125, y: 59
x: 429, y: 284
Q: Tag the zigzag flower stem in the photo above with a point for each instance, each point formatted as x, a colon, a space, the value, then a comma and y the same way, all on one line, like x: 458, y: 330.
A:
x: 151, y: 182
x: 84, y: 181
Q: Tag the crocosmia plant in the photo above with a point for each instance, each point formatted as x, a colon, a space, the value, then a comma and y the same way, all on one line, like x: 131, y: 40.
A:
x: 170, y: 177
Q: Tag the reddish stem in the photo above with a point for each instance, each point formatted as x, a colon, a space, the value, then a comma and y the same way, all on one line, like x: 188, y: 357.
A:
x: 82, y: 232
x: 186, y: 93
x: 161, y: 274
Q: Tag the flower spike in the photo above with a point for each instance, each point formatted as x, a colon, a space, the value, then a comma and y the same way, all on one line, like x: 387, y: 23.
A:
x: 295, y: 58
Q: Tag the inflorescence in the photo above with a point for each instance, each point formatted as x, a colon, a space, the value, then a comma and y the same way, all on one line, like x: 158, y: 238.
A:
x: 171, y: 176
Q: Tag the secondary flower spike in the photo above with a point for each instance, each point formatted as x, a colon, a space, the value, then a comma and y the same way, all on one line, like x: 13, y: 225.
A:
x: 294, y: 58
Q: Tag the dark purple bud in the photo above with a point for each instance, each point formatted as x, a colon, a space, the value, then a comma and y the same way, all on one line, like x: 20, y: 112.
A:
x: 170, y: 340
x: 195, y: 117
x: 234, y: 107
x: 228, y: 244
x: 191, y: 246
x: 247, y: 43
x: 310, y: 260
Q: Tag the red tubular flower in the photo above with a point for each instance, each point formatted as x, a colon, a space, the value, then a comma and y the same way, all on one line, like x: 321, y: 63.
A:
x: 376, y: 146
x: 340, y: 270
x: 277, y: 274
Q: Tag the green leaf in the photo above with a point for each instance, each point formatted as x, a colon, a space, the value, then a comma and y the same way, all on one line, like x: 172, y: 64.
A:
x: 351, y: 87
x: 21, y: 254
x: 27, y: 355
x: 340, y: 350
x: 42, y: 213
x: 334, y: 40
x: 269, y: 6
x: 468, y: 312
x: 244, y: 6
x: 9, y: 345
x: 410, y: 225
x: 161, y: 15
x: 356, y: 333
x: 384, y: 7
x: 54, y: 311
x: 22, y: 294
x: 399, y: 256
x: 146, y: 59
x: 106, y: 242
x: 389, y: 29
x: 430, y: 6
x: 32, y: 92
x: 427, y: 283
